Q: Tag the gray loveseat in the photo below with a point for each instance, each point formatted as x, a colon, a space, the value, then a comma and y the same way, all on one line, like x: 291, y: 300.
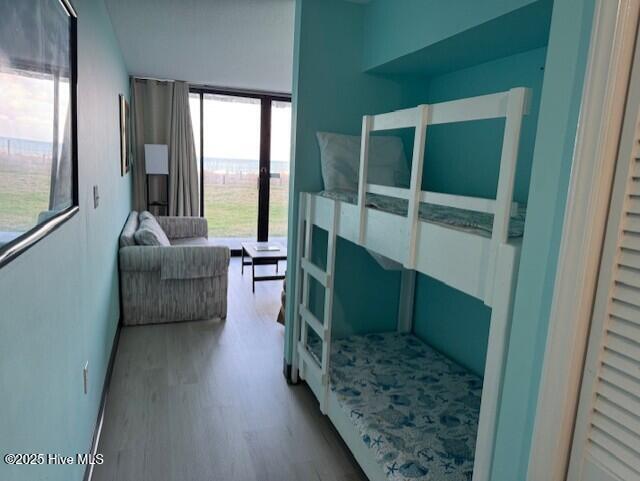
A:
x: 184, y: 281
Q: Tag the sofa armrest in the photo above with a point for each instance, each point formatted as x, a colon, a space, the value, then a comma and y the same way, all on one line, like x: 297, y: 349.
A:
x: 184, y: 227
x: 140, y: 258
x: 193, y: 262
x: 176, y: 262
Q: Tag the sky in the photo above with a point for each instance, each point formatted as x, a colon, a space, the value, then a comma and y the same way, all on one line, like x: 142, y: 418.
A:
x: 232, y: 123
x: 27, y: 107
x: 232, y: 128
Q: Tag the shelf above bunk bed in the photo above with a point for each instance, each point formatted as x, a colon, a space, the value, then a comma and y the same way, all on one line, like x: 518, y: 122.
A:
x: 513, y: 32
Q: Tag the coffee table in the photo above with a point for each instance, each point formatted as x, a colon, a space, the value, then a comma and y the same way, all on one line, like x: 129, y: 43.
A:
x: 262, y: 258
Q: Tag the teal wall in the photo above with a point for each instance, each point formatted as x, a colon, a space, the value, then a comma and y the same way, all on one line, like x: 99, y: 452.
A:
x: 454, y: 323
x: 464, y: 158
x: 60, y: 298
x: 331, y: 93
x: 394, y: 29
x: 558, y: 119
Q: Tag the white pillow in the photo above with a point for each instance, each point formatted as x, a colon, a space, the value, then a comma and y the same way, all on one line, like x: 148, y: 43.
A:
x: 149, y: 233
x: 340, y: 161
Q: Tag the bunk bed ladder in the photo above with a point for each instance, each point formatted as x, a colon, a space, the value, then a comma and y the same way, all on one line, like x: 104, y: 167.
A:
x: 306, y: 319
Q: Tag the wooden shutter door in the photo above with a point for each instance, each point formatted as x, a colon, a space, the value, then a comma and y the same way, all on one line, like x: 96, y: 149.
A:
x: 606, y: 443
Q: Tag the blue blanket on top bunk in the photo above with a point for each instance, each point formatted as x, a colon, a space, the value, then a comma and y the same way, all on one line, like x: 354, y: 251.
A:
x: 470, y: 221
x: 414, y: 408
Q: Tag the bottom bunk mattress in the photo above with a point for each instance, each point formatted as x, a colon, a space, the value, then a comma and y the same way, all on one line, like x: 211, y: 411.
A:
x: 414, y: 409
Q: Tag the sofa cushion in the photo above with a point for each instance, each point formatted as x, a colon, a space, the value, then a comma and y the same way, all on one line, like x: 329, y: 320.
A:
x: 150, y: 233
x: 128, y: 231
x: 190, y: 241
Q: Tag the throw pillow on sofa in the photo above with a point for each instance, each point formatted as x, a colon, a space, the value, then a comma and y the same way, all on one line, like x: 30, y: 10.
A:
x: 150, y: 233
x: 145, y: 214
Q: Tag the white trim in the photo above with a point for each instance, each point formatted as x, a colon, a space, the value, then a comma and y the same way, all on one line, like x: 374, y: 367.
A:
x: 389, y: 191
x: 313, y: 322
x: 515, y: 109
x: 612, y: 44
x: 417, y: 165
x: 478, y: 204
x: 297, y: 292
x: 314, y: 271
x: 367, y: 122
x: 483, y: 107
x: 506, y: 271
x: 614, y: 281
x: 400, y: 119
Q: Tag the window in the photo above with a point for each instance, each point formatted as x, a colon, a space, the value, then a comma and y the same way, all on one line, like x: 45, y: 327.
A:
x: 38, y: 166
x: 280, y: 168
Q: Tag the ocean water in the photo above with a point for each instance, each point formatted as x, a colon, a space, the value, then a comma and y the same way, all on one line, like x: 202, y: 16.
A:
x: 243, y: 166
x: 230, y: 166
x: 24, y: 147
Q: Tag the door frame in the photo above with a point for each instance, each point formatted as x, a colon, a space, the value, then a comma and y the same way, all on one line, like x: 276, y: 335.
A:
x: 264, y: 167
x: 612, y: 45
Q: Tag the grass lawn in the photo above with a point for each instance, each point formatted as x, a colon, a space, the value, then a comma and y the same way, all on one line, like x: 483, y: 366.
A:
x: 230, y: 203
x: 231, y: 208
x: 24, y: 194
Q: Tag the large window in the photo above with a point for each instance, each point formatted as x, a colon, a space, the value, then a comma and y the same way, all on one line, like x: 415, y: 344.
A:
x: 38, y: 167
x: 243, y: 146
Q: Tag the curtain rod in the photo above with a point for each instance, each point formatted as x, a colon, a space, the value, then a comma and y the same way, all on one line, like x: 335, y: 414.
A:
x: 136, y: 77
x: 222, y: 90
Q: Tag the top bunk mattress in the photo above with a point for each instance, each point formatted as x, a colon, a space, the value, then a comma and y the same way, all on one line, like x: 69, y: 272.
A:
x: 415, y: 409
x: 466, y: 220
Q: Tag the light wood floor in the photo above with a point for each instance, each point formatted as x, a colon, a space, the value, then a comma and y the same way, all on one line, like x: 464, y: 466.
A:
x: 207, y: 401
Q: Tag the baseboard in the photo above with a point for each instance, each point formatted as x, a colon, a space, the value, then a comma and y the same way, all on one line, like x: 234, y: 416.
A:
x: 97, y: 429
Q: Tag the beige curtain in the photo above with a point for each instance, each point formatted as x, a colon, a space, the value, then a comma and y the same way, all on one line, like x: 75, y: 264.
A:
x: 183, y: 170
x: 160, y: 115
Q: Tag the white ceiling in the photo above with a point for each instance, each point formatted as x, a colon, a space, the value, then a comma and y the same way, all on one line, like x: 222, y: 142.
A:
x: 225, y: 43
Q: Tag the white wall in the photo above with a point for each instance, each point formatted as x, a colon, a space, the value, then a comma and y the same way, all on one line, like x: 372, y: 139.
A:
x: 226, y: 43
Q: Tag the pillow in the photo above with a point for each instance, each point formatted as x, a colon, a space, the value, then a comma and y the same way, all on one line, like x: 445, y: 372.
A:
x: 129, y: 230
x: 340, y: 161
x: 145, y: 214
x: 150, y: 233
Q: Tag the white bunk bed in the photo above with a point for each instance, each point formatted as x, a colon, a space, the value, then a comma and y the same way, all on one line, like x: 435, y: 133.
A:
x: 481, y: 264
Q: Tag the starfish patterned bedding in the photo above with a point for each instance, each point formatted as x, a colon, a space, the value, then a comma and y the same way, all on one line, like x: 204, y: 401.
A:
x: 415, y: 409
x: 470, y: 221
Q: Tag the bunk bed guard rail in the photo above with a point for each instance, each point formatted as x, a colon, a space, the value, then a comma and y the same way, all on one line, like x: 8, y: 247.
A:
x: 511, y: 105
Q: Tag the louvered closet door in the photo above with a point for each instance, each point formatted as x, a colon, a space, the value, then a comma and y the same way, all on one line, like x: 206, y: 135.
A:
x: 606, y: 443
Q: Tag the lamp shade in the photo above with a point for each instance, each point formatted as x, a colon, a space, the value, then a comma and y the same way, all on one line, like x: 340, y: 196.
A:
x: 156, y: 159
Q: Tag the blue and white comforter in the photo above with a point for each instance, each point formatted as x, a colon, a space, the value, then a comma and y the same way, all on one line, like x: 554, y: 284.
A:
x: 416, y: 409
x: 470, y: 221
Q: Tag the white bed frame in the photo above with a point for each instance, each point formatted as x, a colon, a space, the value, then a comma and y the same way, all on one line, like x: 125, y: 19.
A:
x: 483, y: 267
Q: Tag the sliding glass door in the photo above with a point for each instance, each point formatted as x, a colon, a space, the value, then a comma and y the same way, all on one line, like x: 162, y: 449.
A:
x: 243, y: 143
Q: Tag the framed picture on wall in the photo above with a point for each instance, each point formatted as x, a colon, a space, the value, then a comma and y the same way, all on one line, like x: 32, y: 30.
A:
x: 124, y: 136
